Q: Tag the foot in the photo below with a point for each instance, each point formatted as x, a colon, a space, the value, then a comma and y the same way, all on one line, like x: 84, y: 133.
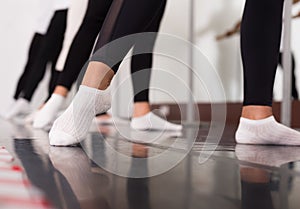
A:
x: 30, y: 118
x: 20, y: 107
x: 148, y: 137
x: 73, y: 125
x: 266, y: 131
x: 151, y: 121
x: 48, y: 113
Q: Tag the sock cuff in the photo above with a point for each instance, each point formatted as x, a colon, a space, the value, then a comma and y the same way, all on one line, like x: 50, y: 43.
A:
x: 258, y: 122
x: 143, y: 117
x: 21, y: 99
x: 95, y: 91
x: 57, y: 96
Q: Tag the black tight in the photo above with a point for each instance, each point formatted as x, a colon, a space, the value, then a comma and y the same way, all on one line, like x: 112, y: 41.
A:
x: 29, y: 70
x: 141, y: 80
x: 101, y: 12
x: 260, y: 42
x: 43, y: 50
x: 32, y: 55
x: 127, y: 17
x: 83, y: 42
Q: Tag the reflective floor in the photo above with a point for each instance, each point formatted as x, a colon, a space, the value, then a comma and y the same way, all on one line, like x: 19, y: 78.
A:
x: 162, y: 170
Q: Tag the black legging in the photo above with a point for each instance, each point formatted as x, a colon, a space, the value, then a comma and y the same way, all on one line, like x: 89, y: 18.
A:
x: 33, y: 55
x: 295, y: 94
x: 84, y: 40
x: 127, y: 17
x: 260, y: 42
x: 44, y: 49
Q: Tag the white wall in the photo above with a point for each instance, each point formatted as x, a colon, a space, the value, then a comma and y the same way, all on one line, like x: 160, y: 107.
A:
x: 16, y: 29
x: 212, y: 17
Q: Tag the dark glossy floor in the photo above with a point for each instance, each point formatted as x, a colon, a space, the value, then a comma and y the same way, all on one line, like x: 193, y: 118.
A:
x: 168, y: 170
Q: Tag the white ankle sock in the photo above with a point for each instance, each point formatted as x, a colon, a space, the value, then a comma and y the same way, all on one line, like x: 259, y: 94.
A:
x: 73, y: 125
x: 48, y: 113
x: 30, y: 118
x: 266, y: 131
x: 20, y: 107
x: 151, y: 121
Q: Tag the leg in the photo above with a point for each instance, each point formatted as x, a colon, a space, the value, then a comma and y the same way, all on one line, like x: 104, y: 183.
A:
x: 79, y: 53
x: 83, y: 42
x: 141, y: 81
x: 33, y: 53
x: 38, y: 116
x: 53, y: 42
x: 51, y: 50
x: 260, y: 36
x: 91, y: 99
x: 141, y: 66
x: 21, y: 106
x: 54, y: 57
x: 115, y: 27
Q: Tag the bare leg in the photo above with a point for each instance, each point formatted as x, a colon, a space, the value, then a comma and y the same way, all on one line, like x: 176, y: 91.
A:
x: 256, y: 112
x: 61, y: 90
x: 98, y: 75
x: 141, y: 109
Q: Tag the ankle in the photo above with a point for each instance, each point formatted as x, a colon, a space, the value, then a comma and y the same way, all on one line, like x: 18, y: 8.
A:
x: 98, y: 75
x: 254, y: 112
x: 141, y: 109
x: 61, y: 90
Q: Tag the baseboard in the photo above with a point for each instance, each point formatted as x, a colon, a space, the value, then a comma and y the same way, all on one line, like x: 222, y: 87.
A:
x: 233, y: 112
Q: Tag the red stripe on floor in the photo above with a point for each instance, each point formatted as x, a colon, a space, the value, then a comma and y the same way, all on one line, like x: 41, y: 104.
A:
x: 26, y: 202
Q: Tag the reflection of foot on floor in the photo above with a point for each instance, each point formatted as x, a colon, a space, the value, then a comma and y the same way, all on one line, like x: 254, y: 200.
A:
x: 21, y: 132
x: 73, y: 125
x: 74, y: 164
x: 266, y: 131
x: 267, y: 155
x: 151, y: 121
x: 68, y: 160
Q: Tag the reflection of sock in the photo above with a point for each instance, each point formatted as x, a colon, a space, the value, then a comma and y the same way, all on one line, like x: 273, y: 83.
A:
x: 151, y: 121
x: 48, y: 113
x: 275, y: 156
x: 73, y: 125
x: 266, y: 131
x: 20, y: 107
x: 256, y: 195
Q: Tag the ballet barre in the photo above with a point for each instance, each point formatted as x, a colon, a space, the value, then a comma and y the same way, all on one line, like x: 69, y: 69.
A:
x: 286, y: 108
